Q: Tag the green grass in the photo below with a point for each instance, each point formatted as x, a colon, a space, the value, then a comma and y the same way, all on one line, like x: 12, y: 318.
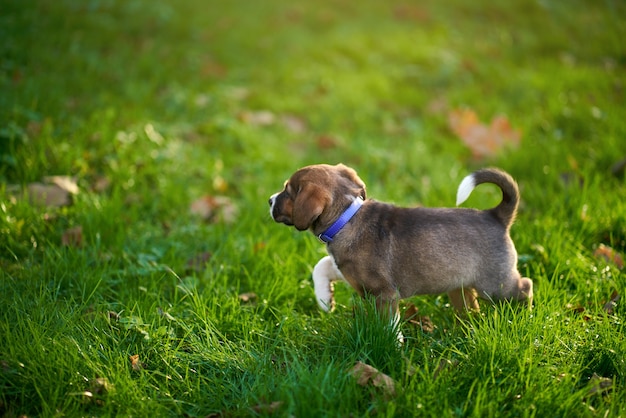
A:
x: 84, y: 86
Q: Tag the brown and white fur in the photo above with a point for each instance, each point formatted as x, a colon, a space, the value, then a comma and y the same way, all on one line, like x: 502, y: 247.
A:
x: 391, y: 252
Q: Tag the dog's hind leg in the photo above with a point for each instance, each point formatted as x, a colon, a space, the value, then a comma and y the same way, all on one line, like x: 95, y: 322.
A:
x: 523, y: 291
x: 325, y: 273
x: 514, y: 287
x: 464, y: 299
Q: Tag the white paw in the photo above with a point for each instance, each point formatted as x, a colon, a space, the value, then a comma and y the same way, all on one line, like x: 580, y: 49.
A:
x: 325, y: 273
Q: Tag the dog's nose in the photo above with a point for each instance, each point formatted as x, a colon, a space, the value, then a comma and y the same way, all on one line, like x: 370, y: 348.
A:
x: 272, y: 199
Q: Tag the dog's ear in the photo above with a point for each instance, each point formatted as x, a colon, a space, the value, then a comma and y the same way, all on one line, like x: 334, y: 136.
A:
x: 309, y: 205
x: 351, y: 175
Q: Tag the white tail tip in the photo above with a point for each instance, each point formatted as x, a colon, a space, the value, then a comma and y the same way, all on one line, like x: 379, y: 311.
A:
x: 465, y: 189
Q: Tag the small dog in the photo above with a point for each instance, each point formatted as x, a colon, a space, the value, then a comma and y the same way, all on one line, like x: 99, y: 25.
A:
x: 392, y: 253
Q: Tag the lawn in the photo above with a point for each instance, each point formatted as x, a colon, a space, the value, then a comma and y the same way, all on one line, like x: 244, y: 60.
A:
x: 141, y: 273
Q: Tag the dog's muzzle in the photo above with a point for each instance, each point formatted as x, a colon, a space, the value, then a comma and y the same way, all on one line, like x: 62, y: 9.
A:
x: 272, y: 202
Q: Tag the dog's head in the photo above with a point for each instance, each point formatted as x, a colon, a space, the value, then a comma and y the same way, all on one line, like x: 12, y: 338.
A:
x: 316, y: 195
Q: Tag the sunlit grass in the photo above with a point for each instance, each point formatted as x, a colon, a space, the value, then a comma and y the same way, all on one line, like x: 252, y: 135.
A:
x: 159, y: 312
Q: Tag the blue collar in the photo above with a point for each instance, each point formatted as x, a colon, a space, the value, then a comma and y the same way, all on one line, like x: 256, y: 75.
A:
x: 328, y: 235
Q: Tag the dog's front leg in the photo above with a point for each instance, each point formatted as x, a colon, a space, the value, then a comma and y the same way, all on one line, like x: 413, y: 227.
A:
x: 388, y: 308
x: 325, y: 273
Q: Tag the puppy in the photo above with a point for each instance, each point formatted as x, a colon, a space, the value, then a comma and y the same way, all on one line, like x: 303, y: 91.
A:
x: 391, y: 252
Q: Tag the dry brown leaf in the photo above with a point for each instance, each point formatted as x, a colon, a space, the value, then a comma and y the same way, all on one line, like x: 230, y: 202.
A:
x: 64, y: 182
x: 198, y: 262
x: 114, y: 316
x: 73, y: 237
x: 211, y: 68
x: 214, y: 209
x: 412, y: 317
x: 367, y: 375
x: 294, y: 124
x: 579, y: 309
x: 599, y: 385
x: 267, y: 408
x: 612, y: 303
x: 444, y: 364
x: 54, y: 191
x: 135, y: 363
x: 609, y: 255
x: 100, y: 386
x: 258, y: 118
x: 483, y: 140
x: 48, y: 195
x: 575, y: 308
x: 437, y: 106
x: 619, y: 168
x: 411, y: 13
x: 101, y: 184
x: 248, y: 297
x: 325, y: 142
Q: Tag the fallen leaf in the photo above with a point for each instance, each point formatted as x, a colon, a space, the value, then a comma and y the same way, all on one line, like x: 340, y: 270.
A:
x: 153, y: 135
x: 248, y: 297
x: 198, y: 262
x: 444, y: 364
x: 599, y: 385
x: 575, y: 308
x: 73, y: 237
x: 113, y: 315
x: 612, y: 303
x: 214, y: 209
x: 609, y: 255
x: 48, y: 195
x: 367, y: 375
x: 258, y: 118
x: 437, y: 105
x: 219, y: 184
x: 100, y: 386
x: 165, y: 314
x: 412, y: 317
x: 34, y: 128
x: 237, y: 93
x: 619, y: 168
x: 64, y: 182
x: 212, y: 68
x: 259, y: 246
x: 579, y: 309
x: 101, y: 184
x: 325, y: 142
x: 483, y: 140
x: 54, y: 191
x: 135, y: 363
x: 294, y: 124
x: 267, y: 408
x: 410, y: 12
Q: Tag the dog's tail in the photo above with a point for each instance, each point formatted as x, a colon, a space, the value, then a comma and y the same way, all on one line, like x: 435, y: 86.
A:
x: 507, y: 209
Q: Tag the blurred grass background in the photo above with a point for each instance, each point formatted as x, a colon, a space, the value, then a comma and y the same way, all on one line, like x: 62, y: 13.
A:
x: 152, y: 106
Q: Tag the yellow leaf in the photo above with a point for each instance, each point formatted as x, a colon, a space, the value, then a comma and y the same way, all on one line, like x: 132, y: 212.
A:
x: 135, y: 363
